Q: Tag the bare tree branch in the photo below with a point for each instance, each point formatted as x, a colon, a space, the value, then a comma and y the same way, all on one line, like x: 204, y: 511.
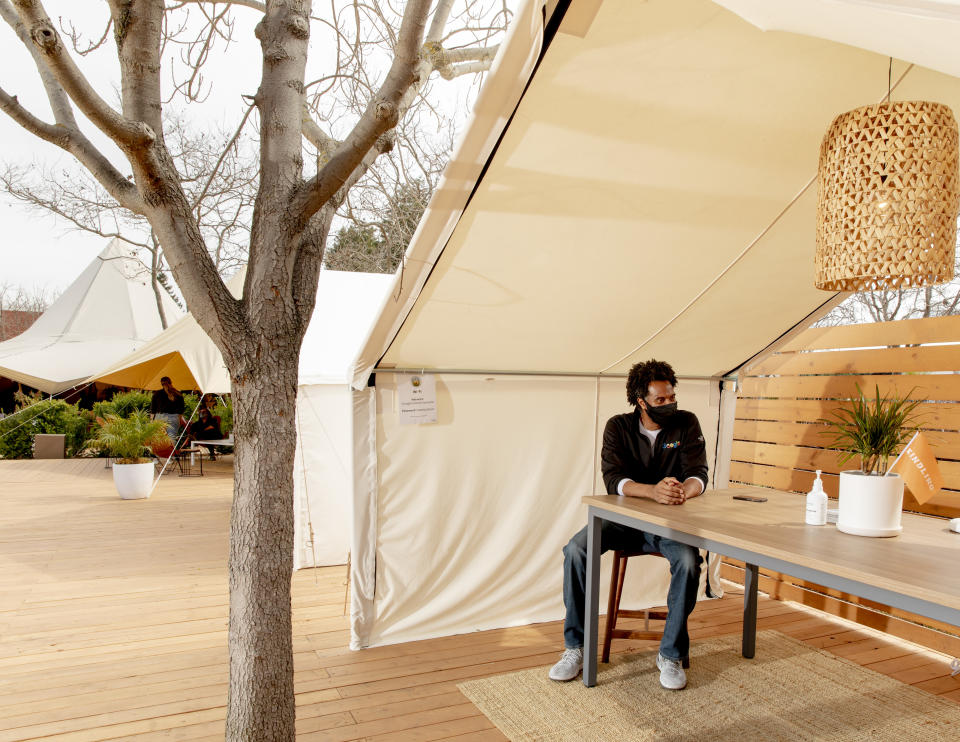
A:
x: 75, y: 38
x: 46, y: 39
x: 154, y: 281
x: 441, y: 15
x: 467, y: 68
x: 196, y: 201
x: 254, y: 4
x: 381, y: 115
x: 80, y: 147
x: 59, y: 101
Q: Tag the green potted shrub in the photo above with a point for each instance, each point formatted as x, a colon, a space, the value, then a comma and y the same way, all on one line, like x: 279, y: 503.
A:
x: 127, y: 439
x: 873, y: 429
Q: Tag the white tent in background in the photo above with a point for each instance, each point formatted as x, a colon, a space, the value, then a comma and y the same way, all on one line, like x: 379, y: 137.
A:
x: 636, y: 182
x: 346, y: 306
x: 106, y: 313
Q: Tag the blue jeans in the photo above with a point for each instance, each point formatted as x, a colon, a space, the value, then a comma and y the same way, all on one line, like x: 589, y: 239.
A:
x: 172, y: 421
x: 681, y: 599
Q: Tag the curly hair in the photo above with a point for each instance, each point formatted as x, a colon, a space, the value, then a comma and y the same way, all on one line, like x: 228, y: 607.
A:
x: 642, y: 374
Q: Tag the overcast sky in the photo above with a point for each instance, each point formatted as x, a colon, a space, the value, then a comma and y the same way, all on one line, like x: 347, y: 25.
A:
x: 35, y: 250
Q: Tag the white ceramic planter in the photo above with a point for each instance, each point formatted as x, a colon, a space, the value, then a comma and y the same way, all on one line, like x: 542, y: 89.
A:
x: 870, y: 505
x: 133, y: 481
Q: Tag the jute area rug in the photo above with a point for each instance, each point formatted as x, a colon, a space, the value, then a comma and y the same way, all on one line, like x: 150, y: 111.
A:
x: 789, y: 692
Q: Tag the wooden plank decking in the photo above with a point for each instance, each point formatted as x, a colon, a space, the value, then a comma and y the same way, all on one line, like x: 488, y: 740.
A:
x: 113, y: 622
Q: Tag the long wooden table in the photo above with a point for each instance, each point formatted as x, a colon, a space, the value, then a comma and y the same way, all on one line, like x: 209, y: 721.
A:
x: 918, y: 571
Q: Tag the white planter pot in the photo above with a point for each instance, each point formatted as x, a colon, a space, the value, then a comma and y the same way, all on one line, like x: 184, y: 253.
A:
x: 133, y: 481
x: 870, y: 505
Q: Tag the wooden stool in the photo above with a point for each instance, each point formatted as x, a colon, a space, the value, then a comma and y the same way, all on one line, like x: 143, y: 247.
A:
x: 614, y: 612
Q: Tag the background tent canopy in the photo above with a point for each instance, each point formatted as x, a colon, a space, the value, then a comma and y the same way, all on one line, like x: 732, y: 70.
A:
x: 183, y: 352
x: 345, y: 307
x: 107, y: 312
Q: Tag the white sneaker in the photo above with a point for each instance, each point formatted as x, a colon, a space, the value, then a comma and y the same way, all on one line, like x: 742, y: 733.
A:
x: 672, y: 676
x: 569, y: 666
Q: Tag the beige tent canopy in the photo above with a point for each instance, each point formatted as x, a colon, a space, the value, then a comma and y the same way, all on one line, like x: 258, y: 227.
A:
x: 184, y: 352
x: 637, y: 181
x: 654, y: 192
x: 106, y: 313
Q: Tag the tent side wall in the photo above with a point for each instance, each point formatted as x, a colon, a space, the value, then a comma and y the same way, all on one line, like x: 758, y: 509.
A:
x: 468, y: 516
x: 323, y: 479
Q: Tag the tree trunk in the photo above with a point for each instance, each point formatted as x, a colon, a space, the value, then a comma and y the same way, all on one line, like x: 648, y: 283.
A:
x: 261, y: 703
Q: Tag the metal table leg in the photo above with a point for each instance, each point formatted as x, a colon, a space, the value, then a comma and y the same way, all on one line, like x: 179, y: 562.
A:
x: 750, y: 578
x: 592, y: 600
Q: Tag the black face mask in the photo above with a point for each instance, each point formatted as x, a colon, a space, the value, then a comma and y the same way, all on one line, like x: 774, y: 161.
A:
x: 661, y: 414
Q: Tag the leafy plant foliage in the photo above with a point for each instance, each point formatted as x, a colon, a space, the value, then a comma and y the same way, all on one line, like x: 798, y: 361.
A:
x: 222, y: 409
x: 872, y: 429
x: 128, y: 438
x: 122, y: 404
x: 17, y: 431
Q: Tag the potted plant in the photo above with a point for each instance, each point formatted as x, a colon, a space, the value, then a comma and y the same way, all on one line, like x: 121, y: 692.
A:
x: 871, y: 500
x: 127, y: 439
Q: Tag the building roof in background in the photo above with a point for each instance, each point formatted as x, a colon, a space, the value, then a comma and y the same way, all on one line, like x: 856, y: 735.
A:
x: 15, y: 321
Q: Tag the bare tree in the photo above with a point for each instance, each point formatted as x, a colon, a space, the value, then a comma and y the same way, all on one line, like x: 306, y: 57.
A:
x: 886, y: 306
x: 349, y: 116
x: 377, y: 244
x: 22, y: 299
x: 218, y: 175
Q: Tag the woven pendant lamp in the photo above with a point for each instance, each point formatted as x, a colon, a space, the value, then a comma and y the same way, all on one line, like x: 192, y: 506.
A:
x: 888, y: 198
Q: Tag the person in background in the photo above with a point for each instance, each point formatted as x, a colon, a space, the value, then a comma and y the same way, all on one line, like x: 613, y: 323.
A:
x: 656, y: 452
x: 205, y: 428
x: 167, y: 405
x: 208, y: 401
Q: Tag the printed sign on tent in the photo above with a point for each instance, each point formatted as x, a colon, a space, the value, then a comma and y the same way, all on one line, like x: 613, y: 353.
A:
x: 418, y: 399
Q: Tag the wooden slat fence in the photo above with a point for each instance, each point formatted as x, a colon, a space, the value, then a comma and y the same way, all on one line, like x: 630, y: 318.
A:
x: 777, y: 441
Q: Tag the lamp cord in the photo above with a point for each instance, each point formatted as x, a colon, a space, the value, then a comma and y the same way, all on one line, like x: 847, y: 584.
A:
x: 889, y: 80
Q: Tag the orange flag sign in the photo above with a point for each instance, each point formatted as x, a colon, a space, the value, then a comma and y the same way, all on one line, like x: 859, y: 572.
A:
x: 918, y: 467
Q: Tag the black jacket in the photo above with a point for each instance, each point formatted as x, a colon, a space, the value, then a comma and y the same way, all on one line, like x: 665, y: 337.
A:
x: 626, y: 453
x: 160, y: 402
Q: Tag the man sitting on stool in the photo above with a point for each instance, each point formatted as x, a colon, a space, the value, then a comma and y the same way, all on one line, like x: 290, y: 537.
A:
x: 657, y: 452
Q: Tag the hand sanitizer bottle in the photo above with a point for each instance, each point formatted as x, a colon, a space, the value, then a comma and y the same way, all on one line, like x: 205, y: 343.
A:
x: 817, y: 504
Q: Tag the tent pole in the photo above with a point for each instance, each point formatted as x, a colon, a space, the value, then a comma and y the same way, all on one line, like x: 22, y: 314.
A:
x: 495, y: 372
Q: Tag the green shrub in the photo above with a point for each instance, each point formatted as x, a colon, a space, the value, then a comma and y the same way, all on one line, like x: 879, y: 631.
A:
x: 190, y: 402
x: 17, y: 431
x: 224, y: 410
x: 123, y: 403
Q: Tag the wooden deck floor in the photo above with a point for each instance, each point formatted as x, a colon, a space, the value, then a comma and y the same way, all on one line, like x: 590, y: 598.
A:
x: 113, y: 622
